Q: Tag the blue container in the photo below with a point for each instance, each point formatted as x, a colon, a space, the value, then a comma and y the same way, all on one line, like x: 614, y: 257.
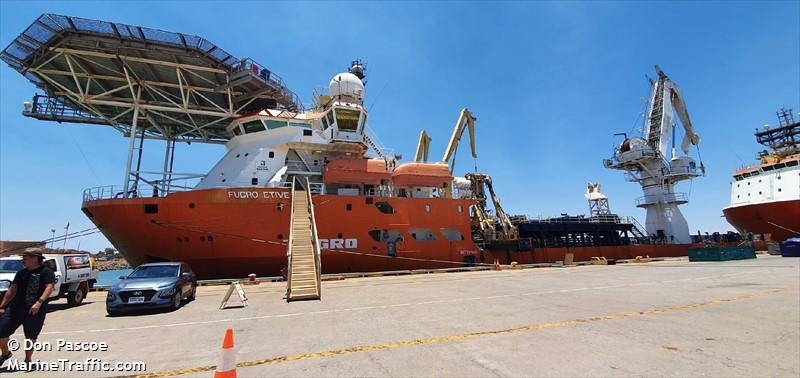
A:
x: 791, y: 247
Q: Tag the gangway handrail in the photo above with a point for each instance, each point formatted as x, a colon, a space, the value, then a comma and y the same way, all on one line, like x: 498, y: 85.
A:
x: 314, y: 239
x: 289, y: 248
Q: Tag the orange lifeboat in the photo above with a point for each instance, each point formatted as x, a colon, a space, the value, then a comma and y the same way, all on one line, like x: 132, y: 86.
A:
x: 356, y: 172
x: 422, y: 174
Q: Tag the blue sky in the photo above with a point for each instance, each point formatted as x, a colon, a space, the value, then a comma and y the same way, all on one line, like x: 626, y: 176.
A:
x: 550, y: 83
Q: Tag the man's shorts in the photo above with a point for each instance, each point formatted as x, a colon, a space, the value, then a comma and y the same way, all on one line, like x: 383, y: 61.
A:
x: 15, y: 317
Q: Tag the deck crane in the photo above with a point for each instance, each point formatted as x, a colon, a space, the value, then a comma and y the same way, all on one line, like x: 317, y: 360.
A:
x: 465, y: 121
x: 422, y: 147
x: 486, y: 228
x: 648, y: 161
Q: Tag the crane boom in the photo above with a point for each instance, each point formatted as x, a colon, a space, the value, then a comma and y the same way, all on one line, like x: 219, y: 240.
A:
x: 465, y: 121
x: 422, y: 147
x: 690, y: 137
x: 667, y: 100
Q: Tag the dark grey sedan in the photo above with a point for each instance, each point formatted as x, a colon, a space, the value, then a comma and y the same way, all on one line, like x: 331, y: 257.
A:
x: 153, y: 285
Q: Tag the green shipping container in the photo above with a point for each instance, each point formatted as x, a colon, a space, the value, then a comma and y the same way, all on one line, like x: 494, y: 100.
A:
x: 721, y: 253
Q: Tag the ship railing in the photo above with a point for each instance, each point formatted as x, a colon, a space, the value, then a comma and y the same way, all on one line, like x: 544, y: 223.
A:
x: 142, y: 188
x: 679, y: 171
x: 314, y: 237
x: 372, y: 139
x: 315, y: 187
x: 662, y: 198
x: 294, y: 166
x: 603, y: 218
x: 248, y: 66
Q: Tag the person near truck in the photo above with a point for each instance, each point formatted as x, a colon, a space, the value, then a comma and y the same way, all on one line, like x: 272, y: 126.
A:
x: 25, y: 302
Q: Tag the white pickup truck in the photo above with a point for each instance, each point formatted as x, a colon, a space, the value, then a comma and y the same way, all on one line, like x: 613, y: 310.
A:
x: 75, y: 274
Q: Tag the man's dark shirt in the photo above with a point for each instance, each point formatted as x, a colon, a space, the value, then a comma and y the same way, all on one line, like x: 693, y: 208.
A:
x: 31, y: 285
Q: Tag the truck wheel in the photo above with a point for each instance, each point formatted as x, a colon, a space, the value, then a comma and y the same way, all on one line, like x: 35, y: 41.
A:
x: 75, y: 298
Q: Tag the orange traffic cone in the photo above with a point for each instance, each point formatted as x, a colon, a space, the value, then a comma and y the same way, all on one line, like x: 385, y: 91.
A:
x: 226, y: 368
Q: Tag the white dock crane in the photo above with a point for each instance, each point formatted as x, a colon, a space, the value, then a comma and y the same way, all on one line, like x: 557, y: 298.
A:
x: 645, y: 160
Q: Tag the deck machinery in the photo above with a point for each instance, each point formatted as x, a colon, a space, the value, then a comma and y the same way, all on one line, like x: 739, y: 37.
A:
x: 653, y: 163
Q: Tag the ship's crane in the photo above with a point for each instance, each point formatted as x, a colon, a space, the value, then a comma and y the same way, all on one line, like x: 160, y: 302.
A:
x: 466, y: 121
x: 646, y: 162
x: 484, y: 226
x: 422, y: 147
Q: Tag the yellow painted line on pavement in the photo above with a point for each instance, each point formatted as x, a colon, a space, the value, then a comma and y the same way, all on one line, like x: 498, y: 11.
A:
x: 471, y: 335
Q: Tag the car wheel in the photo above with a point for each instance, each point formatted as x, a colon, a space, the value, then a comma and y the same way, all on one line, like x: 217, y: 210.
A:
x: 75, y: 298
x: 193, y: 294
x: 176, y: 301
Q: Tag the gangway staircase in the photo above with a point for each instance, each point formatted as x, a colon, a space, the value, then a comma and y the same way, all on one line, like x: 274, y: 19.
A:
x: 303, y: 276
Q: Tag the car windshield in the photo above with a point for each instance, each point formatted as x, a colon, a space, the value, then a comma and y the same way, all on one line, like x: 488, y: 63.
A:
x: 155, y: 271
x: 10, y: 266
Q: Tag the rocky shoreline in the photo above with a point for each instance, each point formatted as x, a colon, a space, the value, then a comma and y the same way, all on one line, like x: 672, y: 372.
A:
x: 113, y: 264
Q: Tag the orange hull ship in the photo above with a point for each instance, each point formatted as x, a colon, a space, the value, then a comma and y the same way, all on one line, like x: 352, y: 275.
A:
x: 222, y: 236
x: 352, y: 211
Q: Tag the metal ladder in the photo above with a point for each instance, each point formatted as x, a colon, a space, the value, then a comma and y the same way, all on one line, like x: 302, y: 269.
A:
x: 303, y: 277
x: 654, y: 129
x: 637, y: 228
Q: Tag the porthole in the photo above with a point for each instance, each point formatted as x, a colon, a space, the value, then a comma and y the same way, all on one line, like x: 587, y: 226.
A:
x: 180, y: 240
x: 186, y: 239
x: 237, y: 155
x: 223, y: 180
x: 210, y: 238
x: 191, y: 205
x: 779, y: 189
x: 339, y: 235
x: 280, y: 236
x: 247, y: 154
x: 271, y: 154
x: 202, y: 238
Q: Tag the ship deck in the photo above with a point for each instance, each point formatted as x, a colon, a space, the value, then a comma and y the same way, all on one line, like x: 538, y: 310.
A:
x: 669, y: 318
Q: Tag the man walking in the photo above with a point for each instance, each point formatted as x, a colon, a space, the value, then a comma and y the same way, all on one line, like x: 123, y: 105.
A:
x: 25, y: 303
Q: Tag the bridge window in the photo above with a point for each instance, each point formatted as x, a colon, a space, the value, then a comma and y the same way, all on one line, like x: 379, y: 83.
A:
x: 253, y: 126
x: 329, y: 117
x: 347, y: 119
x: 272, y: 124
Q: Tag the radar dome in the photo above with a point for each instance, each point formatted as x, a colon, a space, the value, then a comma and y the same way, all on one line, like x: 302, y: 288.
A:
x: 346, y: 85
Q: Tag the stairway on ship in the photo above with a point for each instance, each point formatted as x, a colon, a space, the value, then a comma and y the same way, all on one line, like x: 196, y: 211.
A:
x: 303, y: 250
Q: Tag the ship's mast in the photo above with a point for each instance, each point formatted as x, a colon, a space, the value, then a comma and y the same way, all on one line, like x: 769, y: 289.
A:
x: 645, y: 161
